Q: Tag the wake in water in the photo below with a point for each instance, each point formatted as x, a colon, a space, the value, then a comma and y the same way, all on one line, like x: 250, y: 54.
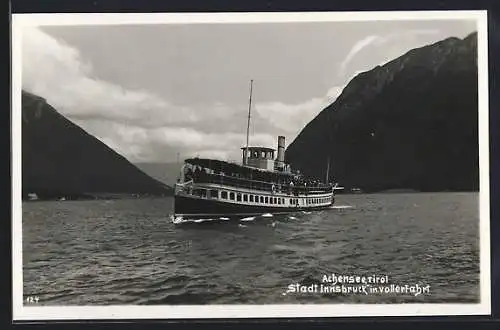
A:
x: 179, y: 219
x: 340, y: 207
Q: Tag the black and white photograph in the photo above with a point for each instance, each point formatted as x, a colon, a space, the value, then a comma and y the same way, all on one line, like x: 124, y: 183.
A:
x: 250, y: 165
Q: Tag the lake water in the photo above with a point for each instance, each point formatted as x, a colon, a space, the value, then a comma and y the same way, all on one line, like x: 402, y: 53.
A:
x: 129, y: 252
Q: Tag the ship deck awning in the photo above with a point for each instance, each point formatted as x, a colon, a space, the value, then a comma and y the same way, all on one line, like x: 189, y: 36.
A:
x: 223, y: 166
x: 258, y: 149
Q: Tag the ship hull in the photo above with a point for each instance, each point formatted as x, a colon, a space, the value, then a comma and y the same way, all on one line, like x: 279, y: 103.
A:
x: 187, y: 206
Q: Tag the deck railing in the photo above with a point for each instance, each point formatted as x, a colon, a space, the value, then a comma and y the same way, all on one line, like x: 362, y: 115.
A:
x: 237, y: 182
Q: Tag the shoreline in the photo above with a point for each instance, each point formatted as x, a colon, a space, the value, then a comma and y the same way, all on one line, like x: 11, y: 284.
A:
x: 104, y: 197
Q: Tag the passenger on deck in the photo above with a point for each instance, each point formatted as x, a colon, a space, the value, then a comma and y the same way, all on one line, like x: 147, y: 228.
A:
x: 189, y: 175
x: 196, y: 174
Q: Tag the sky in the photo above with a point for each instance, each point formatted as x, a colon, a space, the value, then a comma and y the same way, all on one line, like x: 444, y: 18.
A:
x: 153, y: 92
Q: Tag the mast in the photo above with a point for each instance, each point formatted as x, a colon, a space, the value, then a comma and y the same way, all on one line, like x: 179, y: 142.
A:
x: 327, y: 169
x: 248, y: 123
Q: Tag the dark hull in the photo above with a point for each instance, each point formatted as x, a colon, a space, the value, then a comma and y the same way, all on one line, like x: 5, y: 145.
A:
x: 187, y: 206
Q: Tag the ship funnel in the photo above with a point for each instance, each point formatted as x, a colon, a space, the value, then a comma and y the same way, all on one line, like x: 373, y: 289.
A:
x: 281, y: 149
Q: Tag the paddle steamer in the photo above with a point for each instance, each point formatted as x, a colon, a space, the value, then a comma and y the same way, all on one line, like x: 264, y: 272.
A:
x: 261, y: 184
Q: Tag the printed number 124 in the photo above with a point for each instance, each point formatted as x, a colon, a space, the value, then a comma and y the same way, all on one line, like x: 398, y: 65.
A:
x: 32, y: 299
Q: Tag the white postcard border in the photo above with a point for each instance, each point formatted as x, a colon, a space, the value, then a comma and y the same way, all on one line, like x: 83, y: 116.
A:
x: 30, y: 313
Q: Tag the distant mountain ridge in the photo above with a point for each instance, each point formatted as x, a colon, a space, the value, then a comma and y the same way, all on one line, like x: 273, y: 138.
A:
x: 166, y: 173
x: 60, y: 159
x: 409, y: 124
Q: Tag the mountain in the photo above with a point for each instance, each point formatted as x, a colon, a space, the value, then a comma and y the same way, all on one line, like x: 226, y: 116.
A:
x: 166, y: 173
x: 60, y: 159
x: 409, y: 124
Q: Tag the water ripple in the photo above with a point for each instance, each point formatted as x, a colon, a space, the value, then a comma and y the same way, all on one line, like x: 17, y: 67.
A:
x: 130, y: 251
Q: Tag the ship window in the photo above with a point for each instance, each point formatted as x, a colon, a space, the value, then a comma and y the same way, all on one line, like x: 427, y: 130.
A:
x: 271, y: 200
x: 214, y: 193
x: 275, y: 202
x: 279, y: 200
x: 231, y: 196
x: 282, y: 201
x: 238, y: 197
x: 223, y: 194
x: 261, y: 199
x: 251, y: 198
x: 203, y: 193
x: 267, y: 199
x: 245, y: 198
